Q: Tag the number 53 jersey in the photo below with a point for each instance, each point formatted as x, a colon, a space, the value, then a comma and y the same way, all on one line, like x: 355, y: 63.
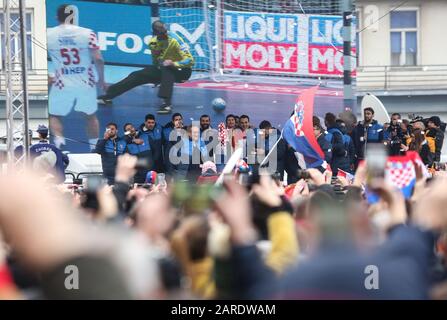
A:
x: 69, y: 49
x: 72, y: 69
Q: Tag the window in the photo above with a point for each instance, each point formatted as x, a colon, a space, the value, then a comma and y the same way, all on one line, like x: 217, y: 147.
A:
x: 404, y: 38
x: 15, y: 46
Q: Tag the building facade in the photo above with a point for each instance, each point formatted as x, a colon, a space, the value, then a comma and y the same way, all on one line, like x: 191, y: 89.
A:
x: 402, y: 55
x: 37, y: 64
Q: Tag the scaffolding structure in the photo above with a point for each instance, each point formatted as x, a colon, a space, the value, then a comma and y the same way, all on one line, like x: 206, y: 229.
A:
x: 16, y: 94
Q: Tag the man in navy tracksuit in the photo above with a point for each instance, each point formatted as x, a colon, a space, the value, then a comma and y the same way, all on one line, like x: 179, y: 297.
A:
x: 340, y: 157
x: 265, y: 140
x: 110, y: 148
x: 170, y: 139
x: 138, y: 144
x: 324, y: 144
x: 208, y: 134
x: 44, y: 146
x: 349, y: 144
x: 197, y: 152
x: 365, y: 132
x: 155, y: 134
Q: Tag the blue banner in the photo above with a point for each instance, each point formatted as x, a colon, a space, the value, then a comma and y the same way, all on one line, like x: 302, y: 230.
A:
x: 123, y: 31
x: 189, y: 23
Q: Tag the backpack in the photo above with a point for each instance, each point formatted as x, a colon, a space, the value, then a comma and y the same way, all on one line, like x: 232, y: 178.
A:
x: 330, y: 138
x: 346, y: 141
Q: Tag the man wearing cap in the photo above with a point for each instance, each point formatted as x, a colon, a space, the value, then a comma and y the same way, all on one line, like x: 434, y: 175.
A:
x: 435, y: 136
x: 171, y: 62
x: 43, y: 145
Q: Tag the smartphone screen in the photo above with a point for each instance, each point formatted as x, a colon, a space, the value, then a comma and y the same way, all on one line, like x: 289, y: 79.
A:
x: 376, y: 159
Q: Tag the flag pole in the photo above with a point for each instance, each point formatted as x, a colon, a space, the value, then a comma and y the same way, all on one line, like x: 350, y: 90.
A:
x: 271, y: 150
x: 230, y: 165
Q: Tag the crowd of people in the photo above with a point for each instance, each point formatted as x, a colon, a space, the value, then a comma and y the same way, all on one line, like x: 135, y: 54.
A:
x: 249, y: 235
x: 318, y: 238
x: 342, y: 139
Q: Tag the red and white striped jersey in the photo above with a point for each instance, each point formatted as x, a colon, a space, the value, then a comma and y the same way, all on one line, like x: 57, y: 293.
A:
x: 69, y: 48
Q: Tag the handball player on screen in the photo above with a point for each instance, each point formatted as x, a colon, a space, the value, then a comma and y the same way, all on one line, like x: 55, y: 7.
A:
x: 172, y: 62
x: 76, y: 67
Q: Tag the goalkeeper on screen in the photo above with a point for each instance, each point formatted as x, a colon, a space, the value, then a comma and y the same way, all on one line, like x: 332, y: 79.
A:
x: 172, y: 62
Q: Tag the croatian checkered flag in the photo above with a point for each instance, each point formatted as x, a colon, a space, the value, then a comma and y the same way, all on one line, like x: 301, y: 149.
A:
x: 298, y: 131
x: 416, y: 158
x: 348, y: 176
x: 223, y: 135
x: 400, y: 172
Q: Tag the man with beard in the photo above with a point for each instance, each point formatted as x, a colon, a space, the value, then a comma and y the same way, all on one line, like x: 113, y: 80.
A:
x: 139, y: 145
x: 365, y: 132
x: 155, y: 133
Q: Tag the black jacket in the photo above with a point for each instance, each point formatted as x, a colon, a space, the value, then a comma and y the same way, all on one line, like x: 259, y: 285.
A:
x: 109, y: 150
x: 374, y: 135
x: 438, y: 135
x: 427, y: 157
x: 326, y: 146
x: 340, y: 155
x: 349, y: 145
x: 279, y: 154
x: 395, y: 138
x: 156, y: 143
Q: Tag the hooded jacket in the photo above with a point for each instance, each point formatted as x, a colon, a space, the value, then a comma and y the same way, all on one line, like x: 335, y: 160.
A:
x: 340, y: 156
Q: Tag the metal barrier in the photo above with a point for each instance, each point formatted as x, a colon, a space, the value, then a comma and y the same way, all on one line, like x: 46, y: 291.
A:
x: 81, y: 174
x: 88, y: 174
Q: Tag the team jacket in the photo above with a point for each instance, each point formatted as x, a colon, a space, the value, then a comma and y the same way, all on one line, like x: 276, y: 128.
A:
x: 326, y: 146
x: 374, y: 135
x: 340, y: 155
x: 43, y: 146
x: 109, y: 150
x: 156, y: 144
x: 174, y: 48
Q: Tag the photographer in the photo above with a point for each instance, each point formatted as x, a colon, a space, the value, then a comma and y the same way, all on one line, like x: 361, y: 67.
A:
x: 110, y: 148
x: 435, y: 134
x: 419, y: 144
x: 407, y: 128
x: 138, y: 144
x: 394, y: 135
